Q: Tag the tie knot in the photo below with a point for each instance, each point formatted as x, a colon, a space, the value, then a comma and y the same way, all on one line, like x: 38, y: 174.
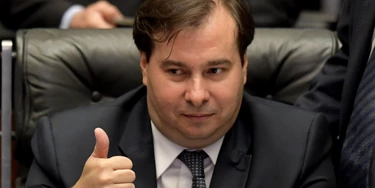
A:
x: 194, y: 160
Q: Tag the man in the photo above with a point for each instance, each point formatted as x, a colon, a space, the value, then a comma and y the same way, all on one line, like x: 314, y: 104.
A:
x: 191, y: 125
x: 344, y: 93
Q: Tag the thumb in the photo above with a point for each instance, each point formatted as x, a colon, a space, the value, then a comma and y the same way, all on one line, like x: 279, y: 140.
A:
x: 102, y: 144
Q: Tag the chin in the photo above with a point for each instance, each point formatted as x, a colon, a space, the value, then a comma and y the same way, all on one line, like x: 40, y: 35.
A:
x: 198, y: 134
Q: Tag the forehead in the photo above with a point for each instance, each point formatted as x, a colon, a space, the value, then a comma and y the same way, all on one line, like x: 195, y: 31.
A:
x: 217, y: 33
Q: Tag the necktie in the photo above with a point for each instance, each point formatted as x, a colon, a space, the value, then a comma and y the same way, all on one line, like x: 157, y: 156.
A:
x: 357, y: 147
x: 194, y: 161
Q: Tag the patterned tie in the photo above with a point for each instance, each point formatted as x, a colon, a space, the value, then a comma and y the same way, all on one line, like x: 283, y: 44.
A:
x: 357, y: 147
x: 194, y: 161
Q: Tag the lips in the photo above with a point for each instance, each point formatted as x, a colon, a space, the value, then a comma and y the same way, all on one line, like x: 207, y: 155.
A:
x: 197, y: 114
x: 197, y: 117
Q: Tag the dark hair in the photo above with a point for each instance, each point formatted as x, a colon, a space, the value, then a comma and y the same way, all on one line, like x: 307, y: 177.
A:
x: 169, y: 17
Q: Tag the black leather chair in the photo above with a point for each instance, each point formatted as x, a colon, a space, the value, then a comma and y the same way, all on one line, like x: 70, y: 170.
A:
x: 62, y: 69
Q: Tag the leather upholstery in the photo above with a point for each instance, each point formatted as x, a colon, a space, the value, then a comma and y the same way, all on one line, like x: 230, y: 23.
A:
x: 63, y: 69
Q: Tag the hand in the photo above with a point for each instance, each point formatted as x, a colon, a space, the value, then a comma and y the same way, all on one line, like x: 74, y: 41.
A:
x: 97, y: 15
x: 100, y: 171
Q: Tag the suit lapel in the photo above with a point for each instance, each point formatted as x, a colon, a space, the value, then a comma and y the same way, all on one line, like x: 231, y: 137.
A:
x: 137, y: 144
x: 233, y: 164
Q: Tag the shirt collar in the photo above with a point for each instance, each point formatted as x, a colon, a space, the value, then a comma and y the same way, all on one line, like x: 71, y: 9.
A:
x: 166, y: 151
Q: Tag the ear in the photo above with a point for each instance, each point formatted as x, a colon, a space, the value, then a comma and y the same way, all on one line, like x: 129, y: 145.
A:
x: 244, y: 68
x: 144, y: 67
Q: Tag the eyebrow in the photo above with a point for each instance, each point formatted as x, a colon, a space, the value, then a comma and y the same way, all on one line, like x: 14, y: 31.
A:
x: 219, y: 62
x: 168, y: 62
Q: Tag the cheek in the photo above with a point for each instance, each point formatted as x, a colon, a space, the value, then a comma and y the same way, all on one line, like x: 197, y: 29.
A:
x: 227, y: 99
x: 166, y: 92
x: 167, y: 98
x: 229, y: 93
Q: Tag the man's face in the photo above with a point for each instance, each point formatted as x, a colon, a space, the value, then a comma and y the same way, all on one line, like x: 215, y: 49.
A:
x: 195, y: 82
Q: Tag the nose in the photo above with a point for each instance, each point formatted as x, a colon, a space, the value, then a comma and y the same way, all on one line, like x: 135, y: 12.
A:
x: 197, y: 93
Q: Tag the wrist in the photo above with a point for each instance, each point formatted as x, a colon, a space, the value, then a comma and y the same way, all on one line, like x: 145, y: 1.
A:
x: 76, y: 21
x: 69, y: 14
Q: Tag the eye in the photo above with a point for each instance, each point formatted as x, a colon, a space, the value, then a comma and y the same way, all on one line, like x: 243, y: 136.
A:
x: 215, y: 70
x: 175, y: 71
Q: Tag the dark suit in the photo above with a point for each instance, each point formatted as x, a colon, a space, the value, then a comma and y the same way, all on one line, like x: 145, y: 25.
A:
x: 334, y: 90
x: 270, y: 145
x: 372, y: 169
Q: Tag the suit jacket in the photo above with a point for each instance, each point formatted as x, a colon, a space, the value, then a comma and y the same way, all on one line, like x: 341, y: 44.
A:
x: 334, y: 90
x: 48, y: 13
x: 270, y: 145
x: 372, y: 169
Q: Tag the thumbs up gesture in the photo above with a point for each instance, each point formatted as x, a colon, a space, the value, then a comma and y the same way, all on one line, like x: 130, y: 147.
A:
x: 101, y: 171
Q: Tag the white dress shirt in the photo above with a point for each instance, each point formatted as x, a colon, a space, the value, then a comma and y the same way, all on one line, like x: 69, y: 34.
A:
x: 170, y: 171
x: 69, y: 14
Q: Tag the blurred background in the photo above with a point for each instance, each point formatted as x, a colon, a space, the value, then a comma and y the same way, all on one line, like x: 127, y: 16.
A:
x: 69, y: 14
x: 20, y: 14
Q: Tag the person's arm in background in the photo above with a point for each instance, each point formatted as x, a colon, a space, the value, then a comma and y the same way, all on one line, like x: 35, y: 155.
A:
x: 69, y: 15
x: 60, y: 14
x: 97, y: 15
x: 326, y: 90
x: 275, y: 13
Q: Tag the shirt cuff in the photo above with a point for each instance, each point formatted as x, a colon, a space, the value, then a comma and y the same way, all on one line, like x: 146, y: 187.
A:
x: 69, y: 14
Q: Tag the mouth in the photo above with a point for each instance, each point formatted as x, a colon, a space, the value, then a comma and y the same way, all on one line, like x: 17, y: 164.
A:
x: 197, y: 117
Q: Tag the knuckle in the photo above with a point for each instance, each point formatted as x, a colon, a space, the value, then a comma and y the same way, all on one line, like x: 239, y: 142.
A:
x: 102, y: 3
x: 129, y: 162
x: 103, y: 164
x: 123, y: 160
x: 105, y: 179
x: 130, y: 185
x: 130, y: 174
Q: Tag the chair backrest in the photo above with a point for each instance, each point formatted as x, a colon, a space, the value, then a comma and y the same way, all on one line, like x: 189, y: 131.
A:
x: 63, y: 69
